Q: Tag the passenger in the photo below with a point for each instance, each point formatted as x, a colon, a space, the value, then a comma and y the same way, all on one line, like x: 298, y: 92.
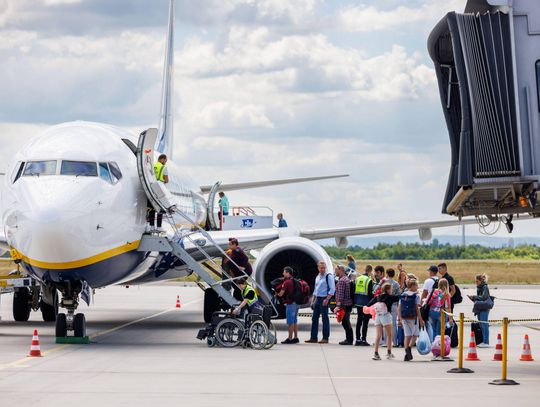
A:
x: 239, y: 258
x: 325, y: 288
x: 223, y: 206
x: 362, y: 296
x: 409, y: 317
x: 402, y: 277
x: 443, y: 271
x: 383, y: 303
x: 282, y: 223
x: 396, y: 290
x: 250, y: 300
x: 482, y: 305
x: 379, y: 279
x: 162, y: 175
x: 439, y: 299
x: 430, y: 283
x: 344, y: 301
x: 351, y: 267
x: 288, y: 289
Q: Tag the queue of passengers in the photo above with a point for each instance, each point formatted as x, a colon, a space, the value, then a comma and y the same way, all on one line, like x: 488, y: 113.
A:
x: 396, y: 299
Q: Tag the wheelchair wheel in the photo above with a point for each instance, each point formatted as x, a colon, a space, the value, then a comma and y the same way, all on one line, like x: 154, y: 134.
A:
x: 229, y: 332
x: 272, y: 336
x: 211, y: 341
x: 258, y: 335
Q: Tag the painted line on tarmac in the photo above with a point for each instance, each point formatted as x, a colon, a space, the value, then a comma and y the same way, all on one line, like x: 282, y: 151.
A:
x: 453, y: 378
x: 21, y: 362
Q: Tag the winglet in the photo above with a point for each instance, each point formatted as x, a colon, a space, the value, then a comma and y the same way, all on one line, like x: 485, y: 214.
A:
x: 164, y: 143
x: 259, y: 184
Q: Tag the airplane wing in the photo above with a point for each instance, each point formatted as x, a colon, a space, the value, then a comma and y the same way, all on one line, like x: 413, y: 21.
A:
x: 423, y: 227
x: 205, y: 189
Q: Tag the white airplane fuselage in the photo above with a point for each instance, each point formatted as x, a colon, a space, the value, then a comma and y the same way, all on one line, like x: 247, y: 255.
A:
x: 85, y: 227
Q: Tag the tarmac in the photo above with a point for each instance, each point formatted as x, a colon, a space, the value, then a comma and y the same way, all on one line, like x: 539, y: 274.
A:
x: 143, y: 351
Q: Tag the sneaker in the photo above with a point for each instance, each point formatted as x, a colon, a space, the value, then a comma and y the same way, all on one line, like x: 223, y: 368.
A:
x: 345, y: 343
x: 323, y: 341
x: 482, y: 345
x: 311, y: 341
x: 390, y: 355
x: 376, y: 356
x: 365, y: 343
x: 295, y: 340
x: 358, y: 343
x: 408, y: 355
x: 287, y: 341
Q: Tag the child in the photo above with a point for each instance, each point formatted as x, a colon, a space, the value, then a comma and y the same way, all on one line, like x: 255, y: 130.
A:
x: 409, y: 316
x: 383, y: 303
x: 439, y: 299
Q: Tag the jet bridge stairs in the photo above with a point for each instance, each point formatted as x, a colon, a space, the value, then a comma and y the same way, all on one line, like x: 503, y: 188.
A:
x: 194, y: 237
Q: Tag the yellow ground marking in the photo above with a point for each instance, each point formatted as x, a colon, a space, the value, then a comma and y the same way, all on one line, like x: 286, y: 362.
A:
x: 21, y: 362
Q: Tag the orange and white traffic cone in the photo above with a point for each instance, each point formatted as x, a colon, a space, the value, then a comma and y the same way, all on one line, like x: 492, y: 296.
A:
x: 498, y: 349
x: 526, y: 355
x: 34, y: 347
x: 178, y: 305
x: 472, y: 355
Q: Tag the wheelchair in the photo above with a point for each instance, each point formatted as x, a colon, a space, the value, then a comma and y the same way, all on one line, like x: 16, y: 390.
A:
x: 254, y: 330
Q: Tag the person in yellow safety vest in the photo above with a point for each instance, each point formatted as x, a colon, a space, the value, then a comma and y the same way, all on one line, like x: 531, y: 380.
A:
x: 161, y: 173
x: 250, y: 299
x: 362, y: 295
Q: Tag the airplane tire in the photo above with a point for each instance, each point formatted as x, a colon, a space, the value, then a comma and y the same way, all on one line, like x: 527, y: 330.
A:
x: 49, y: 312
x: 21, y: 305
x: 79, y: 326
x: 61, y: 326
x: 211, y: 304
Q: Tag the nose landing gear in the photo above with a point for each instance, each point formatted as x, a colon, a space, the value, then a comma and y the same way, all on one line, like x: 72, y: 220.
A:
x: 71, y: 321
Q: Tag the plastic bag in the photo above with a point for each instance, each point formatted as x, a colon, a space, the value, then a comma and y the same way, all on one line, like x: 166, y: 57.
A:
x: 339, y: 314
x: 423, y: 344
x: 436, y: 347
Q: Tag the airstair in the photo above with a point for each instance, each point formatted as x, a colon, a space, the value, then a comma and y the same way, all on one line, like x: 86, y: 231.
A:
x: 191, y: 244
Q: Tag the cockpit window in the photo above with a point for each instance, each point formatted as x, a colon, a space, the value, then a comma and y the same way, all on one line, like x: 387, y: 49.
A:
x: 82, y: 168
x: 104, y: 172
x: 18, y: 171
x: 115, y: 172
x: 40, y: 168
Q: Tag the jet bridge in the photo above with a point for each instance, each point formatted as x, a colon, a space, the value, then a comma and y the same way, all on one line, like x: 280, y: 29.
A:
x: 210, y: 272
x: 487, y: 62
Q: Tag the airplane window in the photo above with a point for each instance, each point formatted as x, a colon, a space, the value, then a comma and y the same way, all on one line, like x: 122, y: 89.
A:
x: 104, y: 172
x: 115, y: 171
x: 40, y: 168
x: 19, y: 171
x: 82, y: 168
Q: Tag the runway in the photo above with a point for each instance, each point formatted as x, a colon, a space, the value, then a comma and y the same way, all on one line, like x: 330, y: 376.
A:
x: 144, y: 352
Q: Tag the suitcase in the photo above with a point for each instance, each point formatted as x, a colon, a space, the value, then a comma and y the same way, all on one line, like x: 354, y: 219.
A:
x: 452, y: 333
x: 475, y: 327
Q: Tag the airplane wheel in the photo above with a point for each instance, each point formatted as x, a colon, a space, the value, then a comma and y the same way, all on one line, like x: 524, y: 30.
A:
x: 211, y: 304
x: 21, y: 304
x: 49, y: 312
x: 61, y: 325
x: 79, y: 326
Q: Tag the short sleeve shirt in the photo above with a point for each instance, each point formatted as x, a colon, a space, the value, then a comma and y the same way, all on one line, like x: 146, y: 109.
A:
x: 288, y: 286
x: 428, y: 284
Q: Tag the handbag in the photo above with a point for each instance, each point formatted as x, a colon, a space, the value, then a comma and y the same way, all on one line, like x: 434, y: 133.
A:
x: 483, y: 305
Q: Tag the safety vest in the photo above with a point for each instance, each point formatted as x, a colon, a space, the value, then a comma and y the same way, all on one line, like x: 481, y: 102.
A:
x: 159, y: 171
x: 246, y: 290
x: 362, y: 283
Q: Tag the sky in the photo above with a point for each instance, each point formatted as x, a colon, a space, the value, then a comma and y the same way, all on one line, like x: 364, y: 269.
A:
x: 263, y: 90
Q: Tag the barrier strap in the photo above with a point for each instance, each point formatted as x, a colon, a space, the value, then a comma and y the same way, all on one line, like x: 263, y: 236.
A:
x: 523, y: 301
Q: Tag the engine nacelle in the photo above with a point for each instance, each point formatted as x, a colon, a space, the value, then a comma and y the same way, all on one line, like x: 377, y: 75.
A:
x: 297, y: 252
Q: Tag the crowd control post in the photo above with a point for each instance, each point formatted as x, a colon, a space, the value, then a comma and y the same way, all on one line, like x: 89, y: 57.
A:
x: 460, y: 368
x: 504, y: 381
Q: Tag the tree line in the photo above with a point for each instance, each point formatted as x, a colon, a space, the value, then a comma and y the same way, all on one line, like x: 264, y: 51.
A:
x: 436, y: 251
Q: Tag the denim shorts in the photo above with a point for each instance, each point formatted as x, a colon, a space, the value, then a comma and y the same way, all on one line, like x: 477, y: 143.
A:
x: 384, y: 319
x: 291, y: 312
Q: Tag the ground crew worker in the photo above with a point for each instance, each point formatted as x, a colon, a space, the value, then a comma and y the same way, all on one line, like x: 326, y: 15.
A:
x: 363, y: 294
x: 250, y: 299
x: 162, y: 175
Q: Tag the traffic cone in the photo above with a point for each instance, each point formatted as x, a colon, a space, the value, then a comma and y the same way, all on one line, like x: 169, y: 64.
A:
x: 498, y: 349
x: 472, y: 355
x: 34, y: 348
x: 526, y: 355
x: 178, y: 305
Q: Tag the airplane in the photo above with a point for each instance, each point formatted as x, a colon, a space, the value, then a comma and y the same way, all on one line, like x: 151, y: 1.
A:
x: 75, y: 212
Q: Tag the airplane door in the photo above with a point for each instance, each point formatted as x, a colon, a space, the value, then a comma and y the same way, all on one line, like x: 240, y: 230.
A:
x: 211, y: 216
x: 157, y: 193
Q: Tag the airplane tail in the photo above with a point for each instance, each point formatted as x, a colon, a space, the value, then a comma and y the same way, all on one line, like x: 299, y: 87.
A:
x: 164, y: 142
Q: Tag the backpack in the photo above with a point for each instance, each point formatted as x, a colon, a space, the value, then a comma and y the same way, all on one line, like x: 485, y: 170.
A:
x: 457, y: 298
x: 408, y: 306
x: 301, y: 292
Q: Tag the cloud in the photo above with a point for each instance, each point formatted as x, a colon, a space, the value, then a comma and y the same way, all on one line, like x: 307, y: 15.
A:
x: 364, y: 18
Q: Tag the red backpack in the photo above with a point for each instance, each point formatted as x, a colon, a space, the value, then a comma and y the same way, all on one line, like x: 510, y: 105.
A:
x: 302, y: 292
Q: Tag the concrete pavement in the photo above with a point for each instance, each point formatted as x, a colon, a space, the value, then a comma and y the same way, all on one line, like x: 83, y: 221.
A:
x: 144, y: 351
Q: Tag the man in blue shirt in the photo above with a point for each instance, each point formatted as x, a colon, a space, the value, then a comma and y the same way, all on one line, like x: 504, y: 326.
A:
x: 325, y: 288
x: 282, y: 223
